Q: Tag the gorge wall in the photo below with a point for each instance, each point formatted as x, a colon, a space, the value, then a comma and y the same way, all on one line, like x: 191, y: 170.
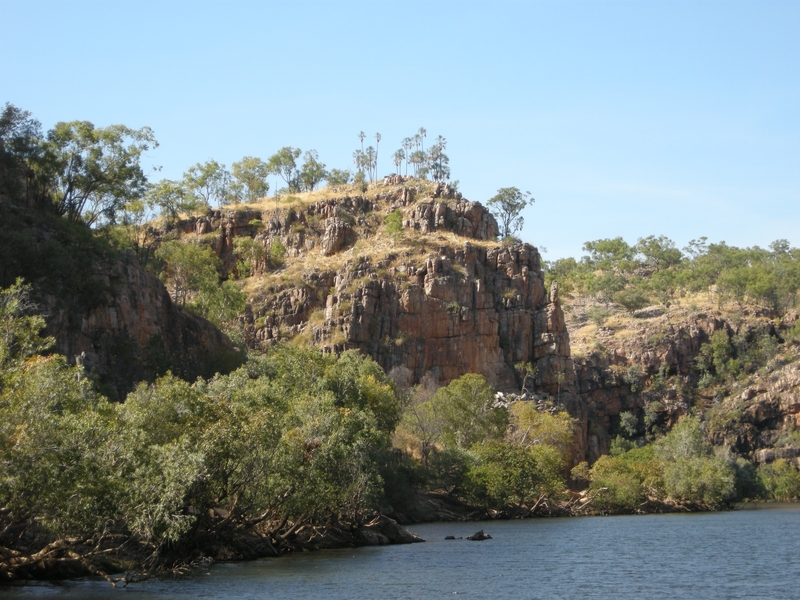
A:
x: 104, y: 309
x: 137, y: 333
x: 650, y: 370
x: 437, y: 298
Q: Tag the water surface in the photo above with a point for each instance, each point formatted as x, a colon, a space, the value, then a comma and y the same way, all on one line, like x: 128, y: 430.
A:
x: 739, y: 554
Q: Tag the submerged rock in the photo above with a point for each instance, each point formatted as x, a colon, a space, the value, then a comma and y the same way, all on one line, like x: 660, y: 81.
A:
x: 479, y: 536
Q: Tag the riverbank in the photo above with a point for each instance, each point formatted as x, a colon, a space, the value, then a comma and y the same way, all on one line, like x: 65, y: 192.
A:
x: 732, y: 554
x: 119, y: 560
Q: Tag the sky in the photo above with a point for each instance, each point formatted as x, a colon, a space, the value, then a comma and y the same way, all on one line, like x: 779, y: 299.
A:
x: 621, y: 118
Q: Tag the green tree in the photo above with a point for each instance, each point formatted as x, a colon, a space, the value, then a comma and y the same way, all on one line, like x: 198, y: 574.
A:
x: 312, y: 171
x: 632, y: 299
x: 394, y: 222
x: 507, y: 206
x: 465, y: 407
x: 781, y: 480
x: 509, y: 475
x: 691, y: 470
x: 189, y: 268
x: 96, y: 169
x: 21, y: 140
x: 284, y: 164
x: 531, y: 427
x: 609, y: 254
x: 659, y: 252
x: 19, y: 327
x: 628, y: 423
x: 250, y: 254
x: 209, y: 181
x: 170, y: 199
x: 339, y: 177
x: 252, y: 173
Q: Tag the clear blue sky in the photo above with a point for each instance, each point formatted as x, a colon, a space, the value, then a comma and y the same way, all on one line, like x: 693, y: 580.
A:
x: 622, y: 118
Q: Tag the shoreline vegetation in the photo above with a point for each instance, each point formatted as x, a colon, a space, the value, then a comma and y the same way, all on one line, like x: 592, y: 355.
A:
x: 295, y: 449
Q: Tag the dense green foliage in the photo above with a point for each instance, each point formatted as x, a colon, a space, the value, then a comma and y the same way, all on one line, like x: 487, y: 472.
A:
x: 294, y: 435
x: 655, y: 270
x: 683, y: 467
x: 493, y: 457
x: 191, y: 273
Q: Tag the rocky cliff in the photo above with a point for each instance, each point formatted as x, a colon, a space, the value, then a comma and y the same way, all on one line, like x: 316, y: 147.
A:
x: 647, y: 365
x: 103, y: 308
x: 434, y: 297
x: 137, y: 332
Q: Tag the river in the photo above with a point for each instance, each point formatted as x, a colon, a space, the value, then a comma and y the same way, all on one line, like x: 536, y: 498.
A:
x: 751, y: 553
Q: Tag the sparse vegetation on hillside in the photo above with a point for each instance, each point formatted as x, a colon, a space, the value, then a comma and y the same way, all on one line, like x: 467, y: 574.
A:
x: 654, y: 270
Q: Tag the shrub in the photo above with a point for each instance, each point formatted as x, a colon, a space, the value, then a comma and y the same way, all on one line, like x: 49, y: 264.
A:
x: 623, y: 482
x: 598, y: 315
x: 628, y: 423
x: 394, y: 222
x: 631, y: 299
x: 781, y: 480
x: 277, y: 251
x: 509, y: 475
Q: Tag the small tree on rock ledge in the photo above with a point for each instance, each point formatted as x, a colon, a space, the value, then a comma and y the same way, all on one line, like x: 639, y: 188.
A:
x: 507, y: 205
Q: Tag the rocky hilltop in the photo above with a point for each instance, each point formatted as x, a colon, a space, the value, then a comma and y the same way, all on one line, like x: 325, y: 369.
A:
x: 435, y: 296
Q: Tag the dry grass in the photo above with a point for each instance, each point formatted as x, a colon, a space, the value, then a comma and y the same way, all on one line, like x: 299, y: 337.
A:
x: 584, y: 336
x: 301, y: 200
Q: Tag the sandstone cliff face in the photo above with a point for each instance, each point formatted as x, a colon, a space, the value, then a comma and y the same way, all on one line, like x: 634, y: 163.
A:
x: 449, y: 309
x: 656, y: 366
x: 465, y: 310
x: 137, y: 332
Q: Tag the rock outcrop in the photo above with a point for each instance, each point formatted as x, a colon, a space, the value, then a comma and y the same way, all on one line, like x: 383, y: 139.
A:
x: 652, y: 370
x: 458, y: 308
x: 463, y: 310
x: 137, y: 332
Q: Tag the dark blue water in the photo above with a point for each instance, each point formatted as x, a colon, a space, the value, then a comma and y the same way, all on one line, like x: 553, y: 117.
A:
x: 740, y: 554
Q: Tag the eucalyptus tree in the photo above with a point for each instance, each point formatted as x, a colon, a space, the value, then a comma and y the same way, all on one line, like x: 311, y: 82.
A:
x: 251, y: 173
x: 95, y: 170
x: 339, y: 177
x: 21, y: 140
x: 312, y: 171
x: 507, y: 205
x: 284, y: 164
x: 209, y: 182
